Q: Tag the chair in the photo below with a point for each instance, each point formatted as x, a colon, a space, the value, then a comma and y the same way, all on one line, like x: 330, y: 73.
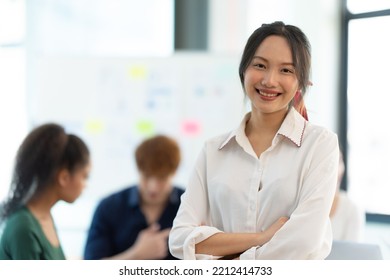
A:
x: 346, y: 250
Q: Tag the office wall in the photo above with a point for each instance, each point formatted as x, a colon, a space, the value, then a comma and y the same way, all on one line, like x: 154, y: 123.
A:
x: 102, y: 85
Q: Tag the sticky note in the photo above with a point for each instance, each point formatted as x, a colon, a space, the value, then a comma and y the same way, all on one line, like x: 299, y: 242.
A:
x: 145, y: 127
x: 94, y: 126
x: 138, y: 72
x: 191, y: 127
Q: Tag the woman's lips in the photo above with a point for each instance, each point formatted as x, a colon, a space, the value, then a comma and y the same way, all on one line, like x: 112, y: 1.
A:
x: 268, y: 94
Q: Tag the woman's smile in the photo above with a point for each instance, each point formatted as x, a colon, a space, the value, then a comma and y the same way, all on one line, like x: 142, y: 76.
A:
x: 267, y: 95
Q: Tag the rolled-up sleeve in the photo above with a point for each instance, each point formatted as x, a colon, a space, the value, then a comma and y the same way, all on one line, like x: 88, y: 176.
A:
x: 191, y: 223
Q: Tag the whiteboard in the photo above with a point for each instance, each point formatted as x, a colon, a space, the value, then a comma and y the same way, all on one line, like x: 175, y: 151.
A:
x: 115, y: 103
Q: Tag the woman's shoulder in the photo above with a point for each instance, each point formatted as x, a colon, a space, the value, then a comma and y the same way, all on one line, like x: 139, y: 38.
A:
x: 20, y: 220
x: 20, y: 225
x: 314, y: 132
x: 22, y: 215
x: 215, y: 143
x: 219, y: 139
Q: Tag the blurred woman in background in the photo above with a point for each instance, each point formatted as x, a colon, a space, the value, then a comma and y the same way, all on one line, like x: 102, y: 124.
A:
x: 50, y: 166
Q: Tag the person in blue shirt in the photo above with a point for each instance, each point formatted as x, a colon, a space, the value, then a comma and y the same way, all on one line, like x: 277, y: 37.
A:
x: 134, y: 223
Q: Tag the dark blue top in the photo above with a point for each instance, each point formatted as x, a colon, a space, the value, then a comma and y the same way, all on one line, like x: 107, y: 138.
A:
x: 118, y: 219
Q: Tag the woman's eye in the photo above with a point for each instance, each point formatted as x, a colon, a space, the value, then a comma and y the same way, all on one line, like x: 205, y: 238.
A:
x: 259, y: 65
x: 287, y: 70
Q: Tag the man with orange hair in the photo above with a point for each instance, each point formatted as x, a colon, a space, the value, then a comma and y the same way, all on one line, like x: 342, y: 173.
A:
x: 134, y: 223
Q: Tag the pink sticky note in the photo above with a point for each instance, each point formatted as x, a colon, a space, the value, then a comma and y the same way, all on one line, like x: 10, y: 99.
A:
x: 191, y: 127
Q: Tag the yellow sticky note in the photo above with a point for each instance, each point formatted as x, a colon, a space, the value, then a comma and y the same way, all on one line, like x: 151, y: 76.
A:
x: 145, y: 127
x: 94, y: 127
x: 138, y: 72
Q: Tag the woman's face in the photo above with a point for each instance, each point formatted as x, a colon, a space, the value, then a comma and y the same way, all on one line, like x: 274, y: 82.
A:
x: 75, y: 183
x: 270, y: 81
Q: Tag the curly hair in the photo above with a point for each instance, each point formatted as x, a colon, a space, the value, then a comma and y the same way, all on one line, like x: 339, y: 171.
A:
x: 45, y: 150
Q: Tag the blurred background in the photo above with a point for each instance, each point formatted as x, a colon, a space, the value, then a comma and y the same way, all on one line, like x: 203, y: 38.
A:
x: 115, y: 72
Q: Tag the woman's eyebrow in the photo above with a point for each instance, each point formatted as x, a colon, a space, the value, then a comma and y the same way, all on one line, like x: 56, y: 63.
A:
x: 266, y: 60
x: 260, y: 57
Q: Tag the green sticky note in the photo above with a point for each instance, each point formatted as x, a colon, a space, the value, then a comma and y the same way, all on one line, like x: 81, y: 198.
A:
x: 145, y: 127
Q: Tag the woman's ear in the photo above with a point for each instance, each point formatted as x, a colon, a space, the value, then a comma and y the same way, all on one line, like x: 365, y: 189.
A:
x: 63, y: 177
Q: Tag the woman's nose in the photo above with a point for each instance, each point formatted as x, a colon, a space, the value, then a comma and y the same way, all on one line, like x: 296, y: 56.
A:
x: 269, y: 79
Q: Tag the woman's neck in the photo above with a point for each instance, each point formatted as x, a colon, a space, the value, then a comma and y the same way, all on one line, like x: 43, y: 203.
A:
x: 40, y: 204
x: 261, y: 129
x: 40, y: 207
x: 265, y: 122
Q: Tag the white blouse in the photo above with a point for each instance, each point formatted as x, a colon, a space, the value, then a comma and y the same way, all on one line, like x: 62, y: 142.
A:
x: 232, y: 190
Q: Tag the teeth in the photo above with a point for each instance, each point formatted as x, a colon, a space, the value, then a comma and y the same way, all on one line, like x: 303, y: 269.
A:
x: 268, y: 94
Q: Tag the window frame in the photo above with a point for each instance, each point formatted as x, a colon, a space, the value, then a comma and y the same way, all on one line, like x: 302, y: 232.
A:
x: 347, y: 16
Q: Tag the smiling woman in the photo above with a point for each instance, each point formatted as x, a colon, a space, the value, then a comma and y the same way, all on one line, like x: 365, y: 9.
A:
x: 271, y: 76
x: 257, y: 190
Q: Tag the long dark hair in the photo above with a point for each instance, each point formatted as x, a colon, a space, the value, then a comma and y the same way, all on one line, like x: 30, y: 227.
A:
x: 45, y: 150
x: 300, y: 49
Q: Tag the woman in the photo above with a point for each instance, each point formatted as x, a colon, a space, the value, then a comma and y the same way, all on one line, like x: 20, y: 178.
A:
x: 50, y: 166
x: 275, y: 165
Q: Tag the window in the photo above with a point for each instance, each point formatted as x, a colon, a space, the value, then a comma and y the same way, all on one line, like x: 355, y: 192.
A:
x: 364, y: 6
x: 367, y: 138
x: 100, y: 27
x: 13, y: 118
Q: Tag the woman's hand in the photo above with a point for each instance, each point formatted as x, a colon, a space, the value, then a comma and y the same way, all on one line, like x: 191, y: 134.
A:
x: 266, y: 235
